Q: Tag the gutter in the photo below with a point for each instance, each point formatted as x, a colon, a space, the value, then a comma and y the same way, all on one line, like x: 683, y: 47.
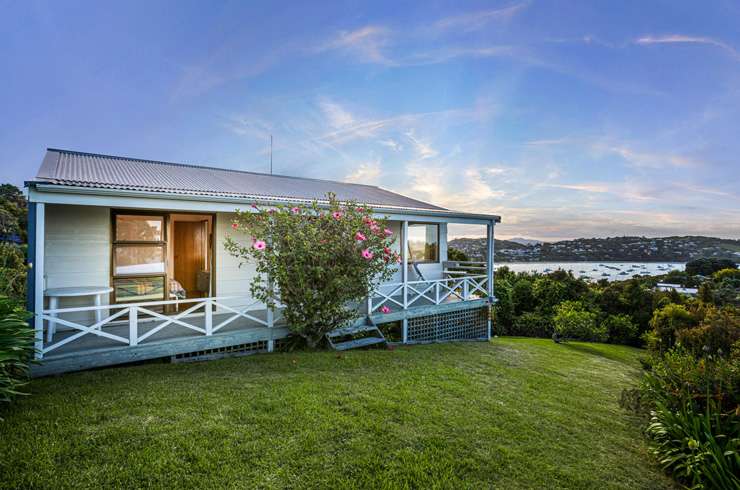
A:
x: 264, y: 200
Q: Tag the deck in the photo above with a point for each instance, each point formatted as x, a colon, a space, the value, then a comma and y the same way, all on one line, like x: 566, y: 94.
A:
x: 132, y: 333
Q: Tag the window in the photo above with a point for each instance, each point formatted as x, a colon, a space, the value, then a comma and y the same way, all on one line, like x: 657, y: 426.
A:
x: 138, y: 255
x: 423, y: 242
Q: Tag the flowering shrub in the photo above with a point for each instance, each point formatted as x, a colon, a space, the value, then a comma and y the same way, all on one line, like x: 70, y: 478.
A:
x: 316, y: 261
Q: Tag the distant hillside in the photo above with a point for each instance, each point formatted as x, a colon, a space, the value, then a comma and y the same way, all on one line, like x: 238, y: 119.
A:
x: 665, y: 249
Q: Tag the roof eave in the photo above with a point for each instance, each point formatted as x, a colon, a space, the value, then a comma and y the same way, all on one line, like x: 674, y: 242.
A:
x: 43, y: 186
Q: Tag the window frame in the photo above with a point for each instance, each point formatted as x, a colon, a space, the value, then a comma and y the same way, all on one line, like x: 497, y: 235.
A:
x: 115, y: 243
x: 438, y: 255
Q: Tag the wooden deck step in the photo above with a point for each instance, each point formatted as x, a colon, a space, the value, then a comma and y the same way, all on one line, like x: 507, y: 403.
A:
x: 372, y: 332
x: 354, y: 344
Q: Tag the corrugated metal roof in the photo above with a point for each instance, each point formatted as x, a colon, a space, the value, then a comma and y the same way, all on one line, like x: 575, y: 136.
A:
x: 64, y: 167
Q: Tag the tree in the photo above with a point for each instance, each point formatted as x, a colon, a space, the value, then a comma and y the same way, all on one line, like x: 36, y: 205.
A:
x: 457, y: 255
x: 13, y: 212
x: 707, y: 267
x: 573, y: 321
x: 666, y: 322
x: 318, y: 262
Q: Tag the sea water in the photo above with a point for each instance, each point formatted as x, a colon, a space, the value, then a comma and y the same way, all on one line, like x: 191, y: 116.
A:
x: 594, y: 271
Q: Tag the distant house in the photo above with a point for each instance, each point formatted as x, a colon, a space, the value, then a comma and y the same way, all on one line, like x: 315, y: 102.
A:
x: 664, y: 286
x: 129, y: 262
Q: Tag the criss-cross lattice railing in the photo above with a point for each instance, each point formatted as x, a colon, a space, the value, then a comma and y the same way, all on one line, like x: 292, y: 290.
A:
x: 427, y: 292
x: 196, y: 309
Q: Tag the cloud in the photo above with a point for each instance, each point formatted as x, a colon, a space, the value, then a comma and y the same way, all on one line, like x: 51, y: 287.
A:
x: 366, y: 173
x: 650, y: 159
x: 683, y: 39
x: 473, y: 21
x: 392, y: 144
x: 337, y: 116
x: 365, y: 44
x: 423, y: 149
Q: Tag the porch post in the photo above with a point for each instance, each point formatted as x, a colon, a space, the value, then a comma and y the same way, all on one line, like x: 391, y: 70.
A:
x: 38, y: 277
x: 405, y: 273
x: 270, y: 317
x: 489, y: 271
x: 270, y: 323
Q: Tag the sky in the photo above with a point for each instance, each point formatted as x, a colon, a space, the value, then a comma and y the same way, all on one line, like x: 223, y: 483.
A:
x: 569, y: 119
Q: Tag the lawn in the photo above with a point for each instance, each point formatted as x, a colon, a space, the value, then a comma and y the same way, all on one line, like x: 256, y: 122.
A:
x: 512, y: 413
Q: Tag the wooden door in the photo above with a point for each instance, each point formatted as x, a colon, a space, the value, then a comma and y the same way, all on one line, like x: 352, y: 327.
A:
x: 190, y: 254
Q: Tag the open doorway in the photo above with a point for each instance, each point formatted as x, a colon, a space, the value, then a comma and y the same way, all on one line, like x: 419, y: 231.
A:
x: 191, y: 253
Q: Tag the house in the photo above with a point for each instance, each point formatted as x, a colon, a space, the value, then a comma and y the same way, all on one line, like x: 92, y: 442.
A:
x: 664, y: 286
x: 128, y: 262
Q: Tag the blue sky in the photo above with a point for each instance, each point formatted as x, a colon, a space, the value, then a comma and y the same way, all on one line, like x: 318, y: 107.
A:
x: 570, y: 119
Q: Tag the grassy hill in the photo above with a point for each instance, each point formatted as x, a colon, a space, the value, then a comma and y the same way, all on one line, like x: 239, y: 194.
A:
x: 512, y: 413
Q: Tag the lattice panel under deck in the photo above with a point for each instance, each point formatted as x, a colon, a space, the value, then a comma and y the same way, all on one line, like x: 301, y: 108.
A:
x: 456, y: 325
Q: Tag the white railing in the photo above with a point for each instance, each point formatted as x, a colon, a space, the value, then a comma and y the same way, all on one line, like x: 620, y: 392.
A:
x: 434, y: 291
x: 134, y: 310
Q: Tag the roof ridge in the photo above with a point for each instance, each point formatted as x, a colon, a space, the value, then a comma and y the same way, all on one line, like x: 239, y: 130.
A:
x: 208, y: 167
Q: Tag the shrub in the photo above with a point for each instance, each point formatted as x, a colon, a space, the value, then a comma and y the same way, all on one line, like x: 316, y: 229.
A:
x: 621, y: 330
x: 12, y: 272
x: 666, y: 322
x: 697, y: 448
x: 727, y: 274
x: 677, y: 378
x: 717, y: 332
x: 322, y: 261
x: 573, y: 321
x: 532, y: 324
x: 16, y: 348
x: 695, y: 421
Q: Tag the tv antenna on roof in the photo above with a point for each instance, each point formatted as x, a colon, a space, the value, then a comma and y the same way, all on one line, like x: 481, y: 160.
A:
x: 270, y: 154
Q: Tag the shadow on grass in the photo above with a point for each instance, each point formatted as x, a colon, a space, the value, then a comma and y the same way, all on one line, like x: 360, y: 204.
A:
x: 607, y: 351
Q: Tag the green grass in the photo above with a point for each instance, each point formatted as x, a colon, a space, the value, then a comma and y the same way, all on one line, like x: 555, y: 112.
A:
x: 513, y: 413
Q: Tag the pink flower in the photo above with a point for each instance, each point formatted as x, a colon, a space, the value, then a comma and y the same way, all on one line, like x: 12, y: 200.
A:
x: 254, y: 205
x: 388, y: 232
x: 295, y: 210
x: 360, y: 237
x: 259, y: 245
x: 374, y: 227
x: 386, y: 250
x: 367, y: 254
x: 336, y: 215
x: 398, y: 260
x: 234, y: 225
x: 385, y: 310
x: 367, y: 220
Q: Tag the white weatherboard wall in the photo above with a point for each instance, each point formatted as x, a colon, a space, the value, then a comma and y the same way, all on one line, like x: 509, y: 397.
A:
x: 77, y: 252
x: 231, y: 280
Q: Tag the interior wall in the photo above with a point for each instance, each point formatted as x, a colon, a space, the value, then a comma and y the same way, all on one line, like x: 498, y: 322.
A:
x: 171, y: 234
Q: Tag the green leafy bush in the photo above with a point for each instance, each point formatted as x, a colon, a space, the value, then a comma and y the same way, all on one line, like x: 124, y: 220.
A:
x: 620, y: 329
x: 573, y: 321
x: 695, y: 415
x: 16, y: 348
x: 678, y: 378
x: 12, y: 272
x: 532, y: 324
x: 700, y: 449
x: 666, y: 322
x: 716, y: 334
x: 322, y: 260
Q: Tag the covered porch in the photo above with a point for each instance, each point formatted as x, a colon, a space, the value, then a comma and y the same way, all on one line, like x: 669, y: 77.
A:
x: 220, y: 317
